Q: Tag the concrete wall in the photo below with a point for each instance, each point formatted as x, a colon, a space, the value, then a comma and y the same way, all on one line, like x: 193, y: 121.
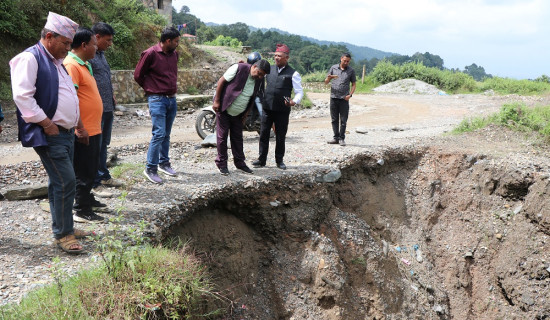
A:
x: 128, y: 91
x: 165, y: 7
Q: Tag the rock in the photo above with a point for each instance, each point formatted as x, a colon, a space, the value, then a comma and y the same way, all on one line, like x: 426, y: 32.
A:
x: 118, y: 113
x: 274, y: 203
x: 361, y: 130
x: 439, y: 309
x: 498, y: 236
x: 330, y: 177
x: 209, y: 141
x: 45, y: 206
x: 120, y: 108
x: 419, y: 256
x: 27, y: 193
x: 380, y: 162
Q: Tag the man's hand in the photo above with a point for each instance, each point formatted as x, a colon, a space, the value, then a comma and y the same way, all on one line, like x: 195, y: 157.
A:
x: 216, y: 106
x: 50, y: 128
x: 347, y: 97
x: 82, y: 136
x: 289, y: 102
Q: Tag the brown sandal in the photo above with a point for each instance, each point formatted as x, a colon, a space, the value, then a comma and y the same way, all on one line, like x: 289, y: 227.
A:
x: 80, y: 234
x: 67, y: 242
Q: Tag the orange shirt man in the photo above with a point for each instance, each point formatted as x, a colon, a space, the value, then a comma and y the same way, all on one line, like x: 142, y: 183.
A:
x: 86, y: 153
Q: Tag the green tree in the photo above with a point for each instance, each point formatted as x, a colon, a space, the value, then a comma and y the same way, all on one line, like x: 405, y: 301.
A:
x: 205, y: 33
x: 477, y: 72
x: 308, y: 56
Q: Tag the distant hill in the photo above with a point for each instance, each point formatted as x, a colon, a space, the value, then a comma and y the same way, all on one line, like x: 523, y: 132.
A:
x: 357, y: 52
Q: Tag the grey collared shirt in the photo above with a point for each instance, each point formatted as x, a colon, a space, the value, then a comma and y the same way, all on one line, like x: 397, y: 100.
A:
x: 102, y: 75
x: 339, y: 87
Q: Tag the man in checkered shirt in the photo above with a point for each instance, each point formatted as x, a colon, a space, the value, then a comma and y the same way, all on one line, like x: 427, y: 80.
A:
x: 342, y: 75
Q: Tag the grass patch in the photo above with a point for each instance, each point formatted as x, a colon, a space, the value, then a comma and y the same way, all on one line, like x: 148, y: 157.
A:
x: 306, y: 102
x: 163, y: 284
x: 127, y: 170
x: 516, y: 116
x: 512, y: 86
x: 132, y: 280
x: 317, y: 76
x: 192, y: 90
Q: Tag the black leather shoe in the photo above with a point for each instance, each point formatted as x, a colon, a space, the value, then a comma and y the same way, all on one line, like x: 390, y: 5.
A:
x: 224, y: 171
x: 333, y: 141
x: 258, y: 163
x: 281, y: 165
x: 245, y: 169
x: 98, y: 204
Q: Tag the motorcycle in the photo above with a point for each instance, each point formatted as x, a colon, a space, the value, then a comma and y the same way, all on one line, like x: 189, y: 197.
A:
x: 206, y: 121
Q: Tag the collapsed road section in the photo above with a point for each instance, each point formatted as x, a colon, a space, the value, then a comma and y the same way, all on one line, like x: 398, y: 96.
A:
x: 416, y: 234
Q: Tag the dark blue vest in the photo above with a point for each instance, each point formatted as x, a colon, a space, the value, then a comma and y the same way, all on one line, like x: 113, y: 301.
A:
x: 279, y: 85
x: 47, y: 90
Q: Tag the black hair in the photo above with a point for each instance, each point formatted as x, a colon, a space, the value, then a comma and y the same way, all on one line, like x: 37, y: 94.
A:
x: 263, y: 65
x: 103, y: 29
x: 346, y: 54
x: 169, y: 33
x: 82, y: 35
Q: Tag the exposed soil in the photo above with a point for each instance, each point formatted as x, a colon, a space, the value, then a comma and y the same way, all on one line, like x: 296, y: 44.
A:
x: 418, y: 226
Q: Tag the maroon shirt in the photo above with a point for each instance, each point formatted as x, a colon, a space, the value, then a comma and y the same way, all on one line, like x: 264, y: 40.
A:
x: 157, y: 71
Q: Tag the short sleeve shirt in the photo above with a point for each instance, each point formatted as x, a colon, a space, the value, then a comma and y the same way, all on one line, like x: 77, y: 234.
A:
x: 241, y: 102
x: 91, y: 106
x: 339, y: 87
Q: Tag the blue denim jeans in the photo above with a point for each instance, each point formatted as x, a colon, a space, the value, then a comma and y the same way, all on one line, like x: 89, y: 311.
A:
x: 163, y: 112
x: 57, y: 159
x: 106, y: 130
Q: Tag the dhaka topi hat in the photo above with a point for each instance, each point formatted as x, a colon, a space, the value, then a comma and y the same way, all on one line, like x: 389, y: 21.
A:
x: 282, y: 48
x: 61, y: 25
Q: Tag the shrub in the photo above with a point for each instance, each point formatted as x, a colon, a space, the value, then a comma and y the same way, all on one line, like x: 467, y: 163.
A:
x: 516, y: 116
x: 508, y: 86
x: 225, y: 41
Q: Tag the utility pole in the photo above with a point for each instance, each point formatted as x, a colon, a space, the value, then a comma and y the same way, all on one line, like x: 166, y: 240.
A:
x: 363, y: 76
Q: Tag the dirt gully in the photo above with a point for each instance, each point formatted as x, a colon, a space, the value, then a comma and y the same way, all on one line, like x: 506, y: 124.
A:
x: 416, y: 234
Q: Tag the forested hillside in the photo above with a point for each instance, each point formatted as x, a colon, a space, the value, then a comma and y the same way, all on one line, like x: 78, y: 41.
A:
x: 21, y: 21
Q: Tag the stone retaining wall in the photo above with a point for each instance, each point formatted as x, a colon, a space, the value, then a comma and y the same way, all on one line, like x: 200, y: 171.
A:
x: 128, y: 91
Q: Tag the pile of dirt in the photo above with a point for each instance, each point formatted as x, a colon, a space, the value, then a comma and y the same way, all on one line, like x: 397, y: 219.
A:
x: 410, y: 86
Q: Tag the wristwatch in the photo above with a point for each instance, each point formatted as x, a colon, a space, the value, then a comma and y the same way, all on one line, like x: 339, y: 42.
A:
x: 351, y: 95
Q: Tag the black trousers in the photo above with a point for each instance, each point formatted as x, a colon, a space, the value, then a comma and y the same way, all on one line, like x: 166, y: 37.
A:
x: 86, y: 162
x: 280, y: 119
x: 339, y: 111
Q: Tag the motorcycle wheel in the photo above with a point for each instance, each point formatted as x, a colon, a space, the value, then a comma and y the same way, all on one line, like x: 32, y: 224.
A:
x: 205, y: 123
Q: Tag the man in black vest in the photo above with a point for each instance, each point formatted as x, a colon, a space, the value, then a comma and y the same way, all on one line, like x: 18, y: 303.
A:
x: 277, y: 102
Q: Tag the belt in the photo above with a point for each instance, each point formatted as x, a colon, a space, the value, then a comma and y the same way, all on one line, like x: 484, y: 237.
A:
x: 163, y: 95
x: 61, y: 129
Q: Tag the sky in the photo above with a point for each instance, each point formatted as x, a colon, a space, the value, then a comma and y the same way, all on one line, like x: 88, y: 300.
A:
x: 508, y: 38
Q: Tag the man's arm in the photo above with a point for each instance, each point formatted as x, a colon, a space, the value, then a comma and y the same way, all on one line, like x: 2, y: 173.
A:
x: 217, y: 98
x: 24, y: 69
x: 353, y: 85
x: 298, y: 90
x: 142, y: 67
x: 330, y: 76
x: 353, y: 81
